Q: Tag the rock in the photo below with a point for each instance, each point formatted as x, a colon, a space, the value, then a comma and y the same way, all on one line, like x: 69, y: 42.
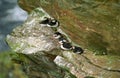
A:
x: 82, y: 66
x: 45, y: 59
x: 92, y: 24
x: 36, y: 48
x: 31, y: 37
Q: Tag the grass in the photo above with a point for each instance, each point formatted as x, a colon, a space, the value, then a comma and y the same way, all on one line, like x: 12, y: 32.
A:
x: 9, y: 69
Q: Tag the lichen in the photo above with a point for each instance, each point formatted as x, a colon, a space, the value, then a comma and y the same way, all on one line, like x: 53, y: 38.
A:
x: 79, y: 18
x: 88, y: 24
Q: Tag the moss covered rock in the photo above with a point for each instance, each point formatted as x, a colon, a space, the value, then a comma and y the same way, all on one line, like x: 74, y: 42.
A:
x: 86, y: 23
x: 35, y: 48
x: 92, y: 24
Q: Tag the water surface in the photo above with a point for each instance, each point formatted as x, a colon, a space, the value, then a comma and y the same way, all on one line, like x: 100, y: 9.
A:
x: 11, y: 15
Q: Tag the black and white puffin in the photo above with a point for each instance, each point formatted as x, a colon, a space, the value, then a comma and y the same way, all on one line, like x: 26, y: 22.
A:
x: 66, y: 45
x: 45, y: 21
x: 50, y: 22
x: 59, y: 36
x: 53, y: 23
x: 77, y: 49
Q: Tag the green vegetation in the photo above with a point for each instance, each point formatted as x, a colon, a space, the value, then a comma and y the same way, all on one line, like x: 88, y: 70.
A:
x: 98, y: 46
x: 37, y: 65
x: 9, y: 69
x: 89, y: 77
x: 92, y: 24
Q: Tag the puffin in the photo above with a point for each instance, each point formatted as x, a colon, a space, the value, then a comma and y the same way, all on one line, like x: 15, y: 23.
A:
x: 45, y: 21
x: 59, y: 36
x: 65, y: 45
x: 53, y: 23
x: 77, y: 50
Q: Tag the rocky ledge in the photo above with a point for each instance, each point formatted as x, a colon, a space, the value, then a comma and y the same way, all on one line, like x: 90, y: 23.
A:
x: 40, y: 54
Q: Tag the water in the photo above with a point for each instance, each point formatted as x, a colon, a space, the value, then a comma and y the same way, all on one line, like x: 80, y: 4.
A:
x: 11, y: 16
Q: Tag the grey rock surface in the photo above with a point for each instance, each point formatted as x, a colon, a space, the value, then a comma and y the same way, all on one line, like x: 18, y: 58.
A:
x: 32, y: 37
x: 45, y: 58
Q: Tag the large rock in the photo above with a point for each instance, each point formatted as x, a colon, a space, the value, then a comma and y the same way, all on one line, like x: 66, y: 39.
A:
x: 92, y: 24
x: 35, y: 48
x: 41, y: 53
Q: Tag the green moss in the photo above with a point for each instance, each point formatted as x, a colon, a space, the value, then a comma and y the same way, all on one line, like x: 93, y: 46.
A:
x: 8, y: 68
x: 89, y: 77
x: 99, y: 16
x: 38, y: 12
x: 96, y: 44
x: 40, y: 64
x: 13, y: 46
